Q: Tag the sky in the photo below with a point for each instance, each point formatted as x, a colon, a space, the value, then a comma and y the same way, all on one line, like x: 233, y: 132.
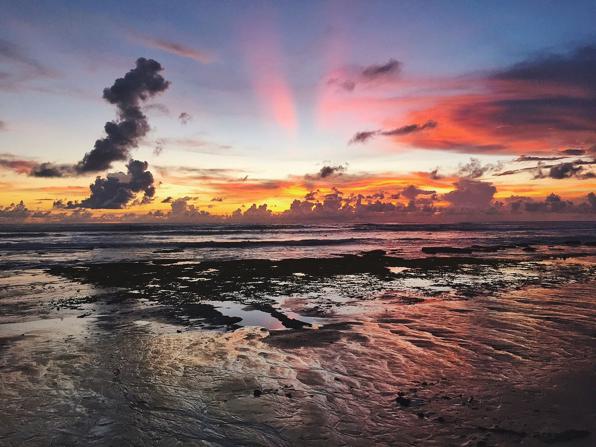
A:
x: 217, y: 111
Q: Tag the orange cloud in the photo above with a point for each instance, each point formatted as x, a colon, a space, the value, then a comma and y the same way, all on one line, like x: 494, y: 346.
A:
x: 541, y: 105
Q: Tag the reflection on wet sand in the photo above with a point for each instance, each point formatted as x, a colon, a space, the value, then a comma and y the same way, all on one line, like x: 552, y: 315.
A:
x: 474, y: 346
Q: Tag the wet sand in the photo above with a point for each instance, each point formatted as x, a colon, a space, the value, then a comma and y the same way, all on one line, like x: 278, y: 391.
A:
x: 355, y: 350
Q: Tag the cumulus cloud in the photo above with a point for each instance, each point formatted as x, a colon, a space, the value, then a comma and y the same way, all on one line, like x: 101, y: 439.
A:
x: 553, y: 203
x: 365, y: 136
x: 122, y: 135
x: 255, y: 213
x: 15, y: 212
x: 472, y: 194
x: 127, y: 93
x: 117, y: 190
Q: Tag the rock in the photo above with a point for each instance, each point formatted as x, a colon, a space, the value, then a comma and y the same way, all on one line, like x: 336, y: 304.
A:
x: 403, y: 401
x: 563, y: 436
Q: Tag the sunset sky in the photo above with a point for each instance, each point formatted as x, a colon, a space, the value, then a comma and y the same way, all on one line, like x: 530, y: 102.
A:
x: 366, y: 110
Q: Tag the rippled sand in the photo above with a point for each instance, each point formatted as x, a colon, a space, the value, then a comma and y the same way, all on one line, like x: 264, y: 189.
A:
x: 509, y: 368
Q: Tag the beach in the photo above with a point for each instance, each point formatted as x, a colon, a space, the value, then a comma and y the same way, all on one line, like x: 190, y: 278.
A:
x: 361, y: 335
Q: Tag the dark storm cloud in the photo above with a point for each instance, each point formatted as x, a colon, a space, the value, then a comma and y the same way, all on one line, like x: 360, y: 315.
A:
x: 364, y: 136
x: 117, y: 190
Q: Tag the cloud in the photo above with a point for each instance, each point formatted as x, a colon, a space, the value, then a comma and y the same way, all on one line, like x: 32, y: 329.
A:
x: 580, y: 169
x: 572, y: 169
x: 537, y: 158
x: 255, y: 213
x: 15, y: 212
x: 576, y: 68
x: 592, y: 200
x: 327, y: 172
x: 475, y: 169
x: 473, y: 194
x: 573, y: 152
x: 52, y: 170
x: 539, y: 106
x: 117, y: 190
x: 365, y: 136
x: 127, y: 93
x: 412, y: 192
x: 391, y: 67
x: 184, y: 117
x: 349, y: 78
x: 2, y: 125
x: 22, y: 67
x: 176, y: 48
x: 161, y: 108
x: 553, y: 203
x: 20, y: 166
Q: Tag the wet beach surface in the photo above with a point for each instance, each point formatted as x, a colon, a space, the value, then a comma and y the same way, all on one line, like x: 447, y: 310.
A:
x: 488, y: 341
